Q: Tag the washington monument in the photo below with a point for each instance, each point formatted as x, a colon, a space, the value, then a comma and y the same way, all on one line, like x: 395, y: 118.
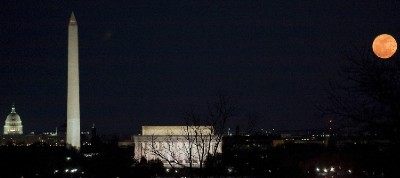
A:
x: 73, y: 111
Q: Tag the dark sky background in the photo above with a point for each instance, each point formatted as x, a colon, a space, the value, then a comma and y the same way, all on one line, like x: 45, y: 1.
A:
x: 147, y: 62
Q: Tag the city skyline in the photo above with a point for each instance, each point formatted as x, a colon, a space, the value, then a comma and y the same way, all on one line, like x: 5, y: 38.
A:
x: 146, y: 63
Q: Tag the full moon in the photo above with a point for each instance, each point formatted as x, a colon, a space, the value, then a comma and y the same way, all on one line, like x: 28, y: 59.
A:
x: 384, y: 46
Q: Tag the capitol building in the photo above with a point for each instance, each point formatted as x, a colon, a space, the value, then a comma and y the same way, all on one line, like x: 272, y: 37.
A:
x: 13, y: 123
x: 13, y: 133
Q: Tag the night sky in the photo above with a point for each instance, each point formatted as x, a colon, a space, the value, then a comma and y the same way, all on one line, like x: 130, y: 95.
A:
x: 147, y: 62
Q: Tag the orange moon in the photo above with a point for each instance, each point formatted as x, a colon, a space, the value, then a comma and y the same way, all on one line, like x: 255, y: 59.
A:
x: 384, y: 46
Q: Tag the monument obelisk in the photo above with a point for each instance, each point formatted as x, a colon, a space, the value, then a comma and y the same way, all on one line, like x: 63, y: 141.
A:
x: 73, y: 111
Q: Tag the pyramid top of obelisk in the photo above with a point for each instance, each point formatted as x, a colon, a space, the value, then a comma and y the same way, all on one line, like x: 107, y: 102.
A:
x: 72, y: 19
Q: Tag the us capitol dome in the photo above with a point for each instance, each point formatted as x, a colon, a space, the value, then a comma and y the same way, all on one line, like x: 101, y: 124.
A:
x: 13, y: 123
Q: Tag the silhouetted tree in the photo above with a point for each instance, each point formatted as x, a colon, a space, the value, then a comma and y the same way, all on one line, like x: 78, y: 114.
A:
x: 368, y: 98
x: 368, y: 94
x: 200, y: 143
x: 206, y: 142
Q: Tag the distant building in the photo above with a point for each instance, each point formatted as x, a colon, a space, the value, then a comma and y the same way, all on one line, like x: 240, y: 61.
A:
x: 32, y: 139
x: 172, y: 144
x: 13, y: 134
x: 126, y: 143
x: 13, y: 123
x: 247, y: 142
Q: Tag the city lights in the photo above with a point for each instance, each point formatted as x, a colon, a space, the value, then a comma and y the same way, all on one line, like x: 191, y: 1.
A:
x: 196, y: 88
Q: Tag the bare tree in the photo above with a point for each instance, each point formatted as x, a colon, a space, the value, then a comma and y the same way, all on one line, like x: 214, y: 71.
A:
x: 165, y: 149
x: 208, y: 142
x: 187, y: 149
x: 368, y: 93
x: 201, y: 138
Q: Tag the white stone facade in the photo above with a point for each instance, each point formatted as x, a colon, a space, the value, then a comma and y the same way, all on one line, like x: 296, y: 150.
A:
x: 73, y: 108
x: 176, y: 146
x: 13, y: 124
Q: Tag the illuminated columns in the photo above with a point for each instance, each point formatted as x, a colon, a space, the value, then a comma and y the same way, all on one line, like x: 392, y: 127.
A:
x: 73, y: 112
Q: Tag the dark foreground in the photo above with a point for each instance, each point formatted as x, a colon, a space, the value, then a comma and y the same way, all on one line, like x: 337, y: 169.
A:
x: 289, y: 160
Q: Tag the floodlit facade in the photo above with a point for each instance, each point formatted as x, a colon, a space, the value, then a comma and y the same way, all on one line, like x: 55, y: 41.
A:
x: 73, y: 109
x: 176, y: 146
x: 13, y: 123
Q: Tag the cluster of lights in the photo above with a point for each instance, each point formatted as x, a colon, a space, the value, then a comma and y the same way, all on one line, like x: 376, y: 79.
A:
x: 87, y: 143
x: 69, y: 170
x: 373, y: 173
x: 332, y: 169
x: 56, y: 145
x: 168, y: 170
x: 322, y: 135
x: 329, y: 170
x: 90, y: 155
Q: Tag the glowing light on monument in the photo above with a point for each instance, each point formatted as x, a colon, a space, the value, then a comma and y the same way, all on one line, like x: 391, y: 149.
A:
x: 73, y: 111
